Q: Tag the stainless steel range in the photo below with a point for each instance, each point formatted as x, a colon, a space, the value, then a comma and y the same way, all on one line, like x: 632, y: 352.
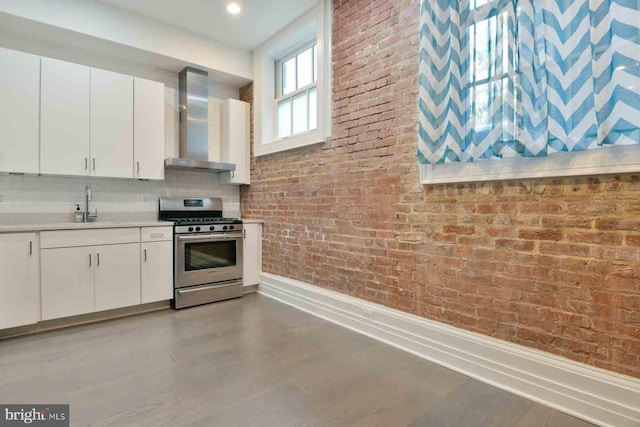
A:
x: 207, y: 250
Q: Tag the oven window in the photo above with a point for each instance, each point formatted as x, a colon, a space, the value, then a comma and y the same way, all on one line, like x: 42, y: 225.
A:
x: 204, y: 256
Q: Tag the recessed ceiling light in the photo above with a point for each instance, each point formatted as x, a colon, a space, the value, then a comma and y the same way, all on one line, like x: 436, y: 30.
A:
x: 233, y: 8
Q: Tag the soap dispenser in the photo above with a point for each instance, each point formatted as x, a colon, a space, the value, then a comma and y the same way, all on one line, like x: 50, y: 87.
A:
x: 77, y: 215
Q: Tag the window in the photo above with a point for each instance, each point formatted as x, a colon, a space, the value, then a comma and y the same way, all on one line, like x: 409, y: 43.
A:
x: 509, y: 90
x: 292, y: 85
x: 296, y: 92
x: 491, y: 67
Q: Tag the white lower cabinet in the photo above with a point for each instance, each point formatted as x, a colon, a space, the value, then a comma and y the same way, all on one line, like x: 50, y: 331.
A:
x: 157, y: 271
x: 63, y: 273
x: 252, y: 254
x: 67, y: 282
x: 19, y: 280
x: 117, y: 276
x: 80, y: 280
x: 89, y: 270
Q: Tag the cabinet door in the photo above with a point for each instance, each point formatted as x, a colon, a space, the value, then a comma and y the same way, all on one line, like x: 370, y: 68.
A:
x: 64, y: 118
x: 117, y: 277
x: 67, y: 282
x: 157, y: 271
x: 234, y: 140
x: 111, y: 124
x: 252, y: 254
x: 148, y: 129
x: 19, y: 112
x: 19, y: 280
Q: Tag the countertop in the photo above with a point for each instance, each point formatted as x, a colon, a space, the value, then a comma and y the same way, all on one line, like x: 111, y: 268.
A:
x: 25, y: 222
x: 252, y: 221
x: 15, y: 223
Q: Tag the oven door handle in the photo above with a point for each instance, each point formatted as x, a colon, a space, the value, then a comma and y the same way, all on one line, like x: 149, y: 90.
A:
x: 210, y: 237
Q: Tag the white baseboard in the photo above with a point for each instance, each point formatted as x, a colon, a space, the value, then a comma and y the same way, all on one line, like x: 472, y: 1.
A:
x: 592, y: 394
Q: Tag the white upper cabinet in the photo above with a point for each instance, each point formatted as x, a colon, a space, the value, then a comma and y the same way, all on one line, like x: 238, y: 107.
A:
x: 64, y: 118
x: 148, y: 129
x: 19, y: 112
x: 234, y: 140
x: 111, y: 124
x: 60, y: 118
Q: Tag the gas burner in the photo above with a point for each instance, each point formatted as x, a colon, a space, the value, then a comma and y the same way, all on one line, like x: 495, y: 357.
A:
x: 197, y: 215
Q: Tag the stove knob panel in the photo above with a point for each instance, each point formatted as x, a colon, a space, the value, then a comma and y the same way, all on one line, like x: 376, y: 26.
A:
x: 231, y: 227
x: 224, y: 228
x: 190, y: 228
x: 197, y: 228
x: 212, y: 228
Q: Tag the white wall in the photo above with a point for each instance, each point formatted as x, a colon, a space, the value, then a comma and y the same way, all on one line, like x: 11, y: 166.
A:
x: 104, y: 22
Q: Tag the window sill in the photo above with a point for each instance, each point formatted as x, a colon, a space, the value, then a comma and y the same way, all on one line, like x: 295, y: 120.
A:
x: 291, y: 143
x: 606, y: 160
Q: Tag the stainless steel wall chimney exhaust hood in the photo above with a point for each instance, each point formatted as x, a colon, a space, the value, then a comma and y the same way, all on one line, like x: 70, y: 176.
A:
x: 194, y: 124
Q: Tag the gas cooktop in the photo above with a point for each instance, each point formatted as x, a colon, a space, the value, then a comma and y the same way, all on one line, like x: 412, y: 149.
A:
x: 197, y: 215
x: 206, y: 220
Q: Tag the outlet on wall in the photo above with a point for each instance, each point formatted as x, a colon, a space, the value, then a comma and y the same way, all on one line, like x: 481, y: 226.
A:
x: 1, y: 198
x: 142, y: 199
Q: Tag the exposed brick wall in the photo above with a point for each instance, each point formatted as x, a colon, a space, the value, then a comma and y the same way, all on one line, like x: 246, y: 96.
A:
x: 552, y: 264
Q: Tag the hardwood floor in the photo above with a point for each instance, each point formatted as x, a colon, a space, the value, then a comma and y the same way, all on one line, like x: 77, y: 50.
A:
x: 247, y: 362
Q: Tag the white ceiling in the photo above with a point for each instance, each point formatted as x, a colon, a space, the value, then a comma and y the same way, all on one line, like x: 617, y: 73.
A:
x: 259, y: 19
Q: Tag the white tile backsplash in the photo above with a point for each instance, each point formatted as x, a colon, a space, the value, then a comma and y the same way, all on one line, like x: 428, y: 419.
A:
x: 32, y: 193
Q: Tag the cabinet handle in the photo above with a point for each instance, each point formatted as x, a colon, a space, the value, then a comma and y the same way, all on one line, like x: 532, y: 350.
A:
x: 244, y: 233
x: 89, y: 260
x: 94, y: 163
x: 138, y: 168
x: 157, y: 235
x: 30, y: 247
x: 86, y: 163
x: 98, y: 255
x: 145, y: 254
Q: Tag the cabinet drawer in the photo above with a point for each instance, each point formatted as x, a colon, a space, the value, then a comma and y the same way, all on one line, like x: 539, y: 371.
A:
x: 103, y: 236
x: 157, y: 234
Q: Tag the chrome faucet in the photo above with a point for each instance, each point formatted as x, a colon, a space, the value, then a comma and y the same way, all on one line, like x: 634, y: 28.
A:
x: 86, y: 216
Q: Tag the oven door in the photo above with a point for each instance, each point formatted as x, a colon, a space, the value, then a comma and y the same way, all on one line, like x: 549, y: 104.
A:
x: 207, y: 258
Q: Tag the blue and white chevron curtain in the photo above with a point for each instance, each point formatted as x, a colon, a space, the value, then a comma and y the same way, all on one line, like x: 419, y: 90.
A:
x: 527, y: 78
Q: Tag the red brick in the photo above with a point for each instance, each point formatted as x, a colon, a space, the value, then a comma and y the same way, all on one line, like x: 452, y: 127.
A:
x: 540, y: 234
x: 459, y: 229
x: 607, y: 239
x: 518, y: 245
x: 631, y: 224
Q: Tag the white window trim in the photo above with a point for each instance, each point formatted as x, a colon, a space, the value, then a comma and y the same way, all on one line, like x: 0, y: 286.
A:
x: 605, y: 160
x: 316, y: 22
x: 295, y: 52
x: 291, y: 95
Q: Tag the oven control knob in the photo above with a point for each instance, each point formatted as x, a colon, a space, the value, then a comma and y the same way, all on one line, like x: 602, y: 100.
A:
x: 212, y: 228
x: 197, y: 228
x: 190, y: 228
x: 231, y: 227
x: 224, y: 228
